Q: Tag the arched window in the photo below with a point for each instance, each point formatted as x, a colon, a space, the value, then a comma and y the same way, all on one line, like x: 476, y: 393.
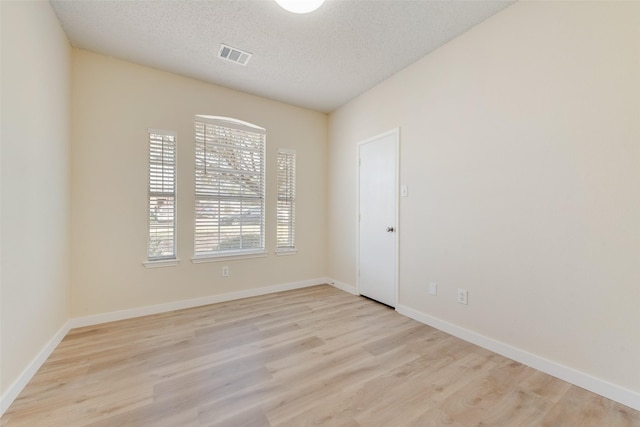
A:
x: 229, y: 187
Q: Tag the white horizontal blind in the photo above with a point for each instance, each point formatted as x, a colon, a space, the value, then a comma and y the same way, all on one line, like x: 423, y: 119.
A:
x: 229, y: 179
x: 286, y: 208
x: 162, y: 195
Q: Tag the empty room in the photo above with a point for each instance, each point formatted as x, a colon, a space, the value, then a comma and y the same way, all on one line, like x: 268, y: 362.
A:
x: 307, y: 212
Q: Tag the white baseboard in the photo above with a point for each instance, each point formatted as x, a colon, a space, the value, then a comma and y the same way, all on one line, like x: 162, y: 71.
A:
x: 343, y: 286
x: 16, y: 387
x: 619, y: 394
x: 97, y: 319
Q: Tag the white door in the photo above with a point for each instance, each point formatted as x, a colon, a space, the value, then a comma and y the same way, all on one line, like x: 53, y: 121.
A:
x: 377, y: 220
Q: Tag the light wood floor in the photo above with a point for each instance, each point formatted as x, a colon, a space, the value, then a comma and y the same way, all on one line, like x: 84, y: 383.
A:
x: 316, y: 356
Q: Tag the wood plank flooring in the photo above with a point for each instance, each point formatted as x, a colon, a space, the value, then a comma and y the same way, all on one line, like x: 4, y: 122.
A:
x: 315, y: 356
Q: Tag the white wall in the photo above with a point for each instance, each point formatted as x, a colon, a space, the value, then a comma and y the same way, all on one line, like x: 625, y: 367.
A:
x: 35, y: 184
x: 520, y: 145
x: 113, y: 104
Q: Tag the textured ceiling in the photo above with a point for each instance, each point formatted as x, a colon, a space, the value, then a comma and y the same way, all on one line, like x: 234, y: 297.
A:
x: 318, y: 61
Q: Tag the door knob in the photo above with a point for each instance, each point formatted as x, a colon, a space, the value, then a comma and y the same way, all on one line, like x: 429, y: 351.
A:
x: 390, y: 230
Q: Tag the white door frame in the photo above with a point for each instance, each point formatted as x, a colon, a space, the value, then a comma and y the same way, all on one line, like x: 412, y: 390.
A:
x: 394, y: 132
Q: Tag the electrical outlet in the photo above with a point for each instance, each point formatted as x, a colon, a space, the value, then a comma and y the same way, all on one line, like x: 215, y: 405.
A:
x: 433, y: 289
x: 225, y: 271
x: 462, y: 296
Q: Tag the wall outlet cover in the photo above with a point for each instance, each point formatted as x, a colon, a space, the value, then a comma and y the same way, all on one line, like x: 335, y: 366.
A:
x: 433, y: 289
x: 462, y: 296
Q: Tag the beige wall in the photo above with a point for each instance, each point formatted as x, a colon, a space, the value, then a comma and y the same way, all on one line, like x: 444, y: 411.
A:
x: 35, y: 183
x: 519, y: 144
x: 520, y: 147
x: 114, y: 102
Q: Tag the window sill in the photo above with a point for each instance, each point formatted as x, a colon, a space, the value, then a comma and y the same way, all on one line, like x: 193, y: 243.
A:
x: 284, y: 252
x: 161, y: 263
x: 228, y: 257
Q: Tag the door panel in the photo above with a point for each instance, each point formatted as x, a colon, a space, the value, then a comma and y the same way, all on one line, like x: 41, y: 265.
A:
x: 377, y: 238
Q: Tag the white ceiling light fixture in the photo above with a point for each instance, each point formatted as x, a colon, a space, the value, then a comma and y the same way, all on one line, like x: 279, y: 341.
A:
x: 300, y: 6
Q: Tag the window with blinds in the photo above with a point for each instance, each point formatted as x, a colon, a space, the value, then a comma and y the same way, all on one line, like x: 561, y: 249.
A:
x: 286, y: 207
x: 162, y: 195
x: 229, y: 193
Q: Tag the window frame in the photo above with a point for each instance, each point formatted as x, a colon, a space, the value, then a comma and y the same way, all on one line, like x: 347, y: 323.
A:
x: 286, y: 200
x: 168, y: 140
x: 214, y: 193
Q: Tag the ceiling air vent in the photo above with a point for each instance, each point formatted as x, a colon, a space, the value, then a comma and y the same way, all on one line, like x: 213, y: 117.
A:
x: 234, y: 55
